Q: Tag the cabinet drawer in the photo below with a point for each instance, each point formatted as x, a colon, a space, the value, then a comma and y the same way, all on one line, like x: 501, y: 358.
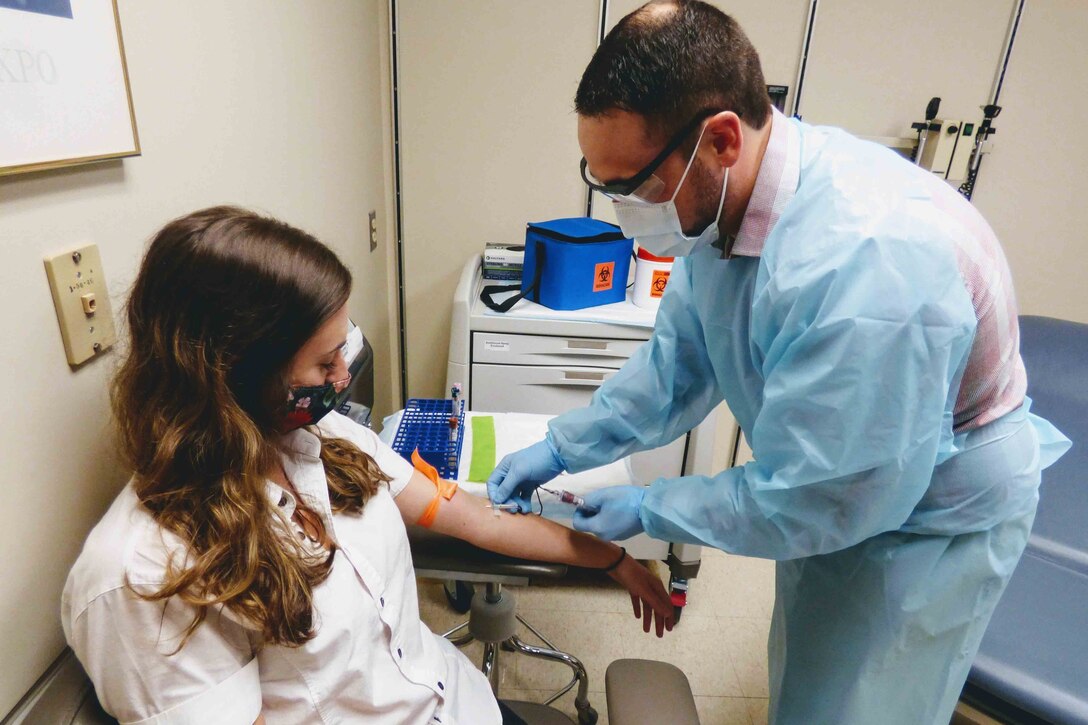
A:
x: 506, y: 349
x: 533, y: 389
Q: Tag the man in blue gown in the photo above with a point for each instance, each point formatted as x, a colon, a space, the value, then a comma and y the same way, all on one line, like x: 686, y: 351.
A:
x: 857, y: 316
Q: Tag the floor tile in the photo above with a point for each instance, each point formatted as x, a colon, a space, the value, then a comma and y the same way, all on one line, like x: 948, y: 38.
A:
x: 709, y: 551
x: 434, y: 610
x: 592, y: 637
x: 732, y: 586
x: 580, y: 591
x: 757, y: 710
x: 747, y: 644
x: 698, y: 646
x: 722, y: 710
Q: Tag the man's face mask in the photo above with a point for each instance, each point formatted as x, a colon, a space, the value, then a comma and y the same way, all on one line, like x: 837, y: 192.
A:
x: 656, y: 227
x: 307, y: 404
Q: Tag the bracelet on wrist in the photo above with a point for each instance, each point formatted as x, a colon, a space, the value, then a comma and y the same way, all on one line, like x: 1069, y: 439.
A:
x: 617, y: 562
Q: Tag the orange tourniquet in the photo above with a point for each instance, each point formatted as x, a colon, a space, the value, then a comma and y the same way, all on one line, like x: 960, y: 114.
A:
x: 443, y: 489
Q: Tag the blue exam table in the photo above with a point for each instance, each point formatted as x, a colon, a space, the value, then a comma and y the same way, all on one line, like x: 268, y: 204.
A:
x: 1032, y: 666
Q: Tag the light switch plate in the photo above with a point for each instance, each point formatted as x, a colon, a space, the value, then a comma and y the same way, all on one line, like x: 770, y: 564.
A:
x: 78, y: 284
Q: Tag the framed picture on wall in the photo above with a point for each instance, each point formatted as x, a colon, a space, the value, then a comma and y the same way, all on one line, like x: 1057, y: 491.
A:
x: 64, y: 93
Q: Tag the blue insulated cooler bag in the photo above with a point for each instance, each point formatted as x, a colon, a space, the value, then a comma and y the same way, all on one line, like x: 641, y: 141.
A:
x: 569, y: 264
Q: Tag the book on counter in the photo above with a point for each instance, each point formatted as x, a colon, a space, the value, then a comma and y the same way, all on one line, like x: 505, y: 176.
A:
x: 503, y: 261
x: 504, y: 255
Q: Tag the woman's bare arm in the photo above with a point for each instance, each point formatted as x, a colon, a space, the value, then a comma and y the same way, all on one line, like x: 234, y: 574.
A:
x: 533, y: 537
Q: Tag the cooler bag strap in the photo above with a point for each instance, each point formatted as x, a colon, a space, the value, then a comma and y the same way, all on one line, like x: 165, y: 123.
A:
x: 487, y: 294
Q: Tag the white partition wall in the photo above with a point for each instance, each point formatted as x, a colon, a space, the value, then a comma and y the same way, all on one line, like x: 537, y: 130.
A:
x: 488, y: 142
x: 873, y: 65
x: 1032, y: 187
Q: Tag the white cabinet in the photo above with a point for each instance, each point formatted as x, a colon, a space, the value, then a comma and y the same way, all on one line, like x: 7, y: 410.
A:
x: 512, y: 363
x: 541, y: 373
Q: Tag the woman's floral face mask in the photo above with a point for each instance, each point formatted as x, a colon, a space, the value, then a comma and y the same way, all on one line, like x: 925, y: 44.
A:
x: 307, y: 404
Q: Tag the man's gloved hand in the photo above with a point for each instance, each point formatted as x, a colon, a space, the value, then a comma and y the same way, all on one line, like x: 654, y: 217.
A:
x: 611, y: 513
x: 519, y: 473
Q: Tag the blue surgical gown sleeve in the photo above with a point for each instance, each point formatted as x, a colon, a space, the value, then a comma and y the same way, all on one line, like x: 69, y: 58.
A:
x: 662, y: 392
x: 860, y: 345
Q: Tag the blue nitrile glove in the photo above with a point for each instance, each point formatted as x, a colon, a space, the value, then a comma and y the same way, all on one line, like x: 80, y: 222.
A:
x: 611, y: 513
x: 519, y: 473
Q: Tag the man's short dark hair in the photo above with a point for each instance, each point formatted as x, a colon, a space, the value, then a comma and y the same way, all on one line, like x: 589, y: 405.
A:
x: 669, y: 60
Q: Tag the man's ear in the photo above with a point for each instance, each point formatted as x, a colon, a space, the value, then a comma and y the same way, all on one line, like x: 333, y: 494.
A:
x: 726, y: 134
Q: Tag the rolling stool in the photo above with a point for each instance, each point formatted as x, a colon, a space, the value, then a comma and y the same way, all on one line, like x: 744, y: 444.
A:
x: 493, y: 617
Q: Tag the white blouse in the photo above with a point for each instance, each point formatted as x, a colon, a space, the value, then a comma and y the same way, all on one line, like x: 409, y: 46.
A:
x: 371, y: 660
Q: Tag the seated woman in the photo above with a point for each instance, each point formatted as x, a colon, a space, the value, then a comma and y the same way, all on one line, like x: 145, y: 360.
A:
x: 254, y: 569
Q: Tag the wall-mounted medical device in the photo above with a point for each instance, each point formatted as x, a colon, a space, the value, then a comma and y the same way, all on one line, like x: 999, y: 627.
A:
x: 952, y: 149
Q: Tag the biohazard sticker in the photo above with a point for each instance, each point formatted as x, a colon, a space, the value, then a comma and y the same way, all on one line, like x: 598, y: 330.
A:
x: 602, y: 276
x: 657, y: 284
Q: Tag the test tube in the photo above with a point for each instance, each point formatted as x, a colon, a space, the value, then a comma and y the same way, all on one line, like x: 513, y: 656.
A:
x: 451, y: 456
x: 571, y: 498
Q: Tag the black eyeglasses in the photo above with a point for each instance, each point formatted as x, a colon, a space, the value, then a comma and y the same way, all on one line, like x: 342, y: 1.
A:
x: 633, y: 186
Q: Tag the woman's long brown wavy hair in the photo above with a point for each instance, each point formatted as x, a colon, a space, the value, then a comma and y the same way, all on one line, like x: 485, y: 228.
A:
x: 223, y: 300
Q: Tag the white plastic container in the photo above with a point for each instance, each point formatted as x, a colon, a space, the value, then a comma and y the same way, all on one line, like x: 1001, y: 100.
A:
x: 651, y: 277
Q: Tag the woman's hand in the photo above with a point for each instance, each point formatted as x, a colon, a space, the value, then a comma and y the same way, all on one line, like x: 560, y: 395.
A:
x: 648, y: 596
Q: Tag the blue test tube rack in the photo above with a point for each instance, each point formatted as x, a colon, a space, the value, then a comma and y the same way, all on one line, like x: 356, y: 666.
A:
x: 425, y: 425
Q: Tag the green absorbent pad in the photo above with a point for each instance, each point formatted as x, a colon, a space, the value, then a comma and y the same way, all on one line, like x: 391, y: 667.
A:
x: 483, y: 449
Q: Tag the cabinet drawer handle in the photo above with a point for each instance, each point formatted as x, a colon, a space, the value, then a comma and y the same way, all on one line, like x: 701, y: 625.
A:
x: 587, y: 345
x: 580, y: 375
x: 601, y: 354
x: 561, y: 385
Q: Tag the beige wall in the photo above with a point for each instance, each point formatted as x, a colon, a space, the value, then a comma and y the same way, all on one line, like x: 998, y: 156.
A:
x: 488, y: 143
x: 1033, y: 187
x: 874, y: 64
x: 277, y: 106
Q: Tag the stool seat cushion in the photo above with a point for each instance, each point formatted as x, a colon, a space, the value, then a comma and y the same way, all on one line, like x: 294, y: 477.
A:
x: 641, y: 692
x: 431, y: 550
